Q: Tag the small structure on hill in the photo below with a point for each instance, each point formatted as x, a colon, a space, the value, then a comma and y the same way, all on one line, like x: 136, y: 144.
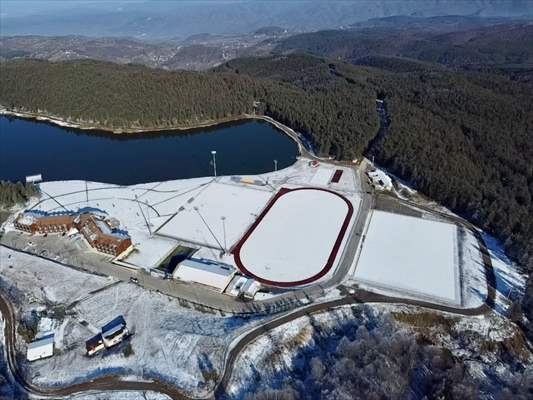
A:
x: 94, y: 344
x: 112, y: 333
x: 42, y: 347
x: 380, y: 179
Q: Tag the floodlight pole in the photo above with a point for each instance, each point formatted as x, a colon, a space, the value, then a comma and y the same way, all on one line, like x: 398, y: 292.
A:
x: 224, y: 230
x: 214, y: 154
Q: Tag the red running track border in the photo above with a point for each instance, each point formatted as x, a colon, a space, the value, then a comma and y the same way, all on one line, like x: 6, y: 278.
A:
x: 237, y: 249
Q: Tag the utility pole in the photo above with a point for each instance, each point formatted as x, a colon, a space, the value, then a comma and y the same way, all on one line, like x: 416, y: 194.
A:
x: 214, y: 154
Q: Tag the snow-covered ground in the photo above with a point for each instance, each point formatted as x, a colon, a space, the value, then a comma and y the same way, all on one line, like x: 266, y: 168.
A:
x: 171, y: 342
x: 296, y: 237
x: 410, y: 254
x: 44, y: 282
x: 474, y: 288
x: 287, y: 353
x: 270, y: 353
x: 510, y: 282
x: 119, y: 396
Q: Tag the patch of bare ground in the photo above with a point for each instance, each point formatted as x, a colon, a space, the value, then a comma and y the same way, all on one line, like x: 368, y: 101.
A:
x: 488, y: 337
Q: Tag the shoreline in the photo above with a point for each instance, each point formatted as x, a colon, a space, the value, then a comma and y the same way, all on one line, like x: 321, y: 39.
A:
x: 117, y: 131
x: 295, y: 136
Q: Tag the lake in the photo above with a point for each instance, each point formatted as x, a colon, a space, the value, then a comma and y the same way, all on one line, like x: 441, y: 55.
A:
x: 246, y: 147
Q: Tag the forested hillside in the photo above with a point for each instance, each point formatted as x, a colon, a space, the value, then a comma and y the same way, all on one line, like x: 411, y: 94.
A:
x: 340, y: 119
x: 504, y: 48
x: 463, y: 139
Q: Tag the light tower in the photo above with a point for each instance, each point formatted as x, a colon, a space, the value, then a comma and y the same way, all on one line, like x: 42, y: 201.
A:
x: 214, y: 154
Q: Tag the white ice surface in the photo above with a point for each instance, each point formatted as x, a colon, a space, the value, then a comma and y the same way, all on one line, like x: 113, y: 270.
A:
x: 295, y: 239
x: 322, y: 176
x: 218, y: 215
x: 410, y: 254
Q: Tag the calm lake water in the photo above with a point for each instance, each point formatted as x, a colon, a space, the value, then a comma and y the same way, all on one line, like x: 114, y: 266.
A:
x: 245, y: 147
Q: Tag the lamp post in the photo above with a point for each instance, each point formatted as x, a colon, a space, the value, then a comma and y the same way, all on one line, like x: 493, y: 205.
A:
x: 214, y: 153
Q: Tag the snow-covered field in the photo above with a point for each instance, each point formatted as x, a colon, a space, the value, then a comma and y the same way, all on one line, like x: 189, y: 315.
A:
x: 270, y: 353
x: 118, y: 396
x: 170, y: 342
x: 295, y: 239
x: 415, y: 255
x: 44, y: 282
x: 218, y: 215
x: 177, y: 344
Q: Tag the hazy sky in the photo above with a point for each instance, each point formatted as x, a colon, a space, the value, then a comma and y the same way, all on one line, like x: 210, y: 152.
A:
x: 17, y: 8
x: 173, y: 18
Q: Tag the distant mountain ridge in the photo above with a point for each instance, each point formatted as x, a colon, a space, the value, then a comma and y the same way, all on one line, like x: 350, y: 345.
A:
x: 459, y: 42
x: 169, y: 19
x: 492, y: 45
x: 197, y: 52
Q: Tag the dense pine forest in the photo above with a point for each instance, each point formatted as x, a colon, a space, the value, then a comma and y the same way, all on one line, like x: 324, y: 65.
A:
x: 341, y: 118
x: 15, y: 193
x: 463, y: 138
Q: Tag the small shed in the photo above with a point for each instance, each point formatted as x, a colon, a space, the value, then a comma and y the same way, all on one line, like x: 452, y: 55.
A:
x: 114, y: 331
x: 243, y: 286
x: 41, y: 348
x: 94, y: 345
